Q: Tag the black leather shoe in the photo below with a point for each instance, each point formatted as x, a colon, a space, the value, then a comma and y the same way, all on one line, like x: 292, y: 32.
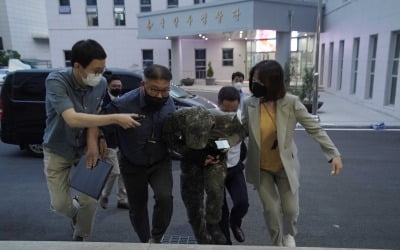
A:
x: 238, y: 233
x: 77, y: 238
x: 123, y: 204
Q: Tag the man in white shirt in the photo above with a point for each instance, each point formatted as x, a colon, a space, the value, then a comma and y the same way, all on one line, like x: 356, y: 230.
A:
x: 229, y: 101
x: 237, y: 82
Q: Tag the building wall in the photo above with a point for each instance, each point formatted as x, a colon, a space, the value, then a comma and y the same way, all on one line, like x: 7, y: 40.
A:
x: 346, y: 20
x: 214, y: 55
x: 4, y: 25
x: 25, y: 21
x: 123, y: 48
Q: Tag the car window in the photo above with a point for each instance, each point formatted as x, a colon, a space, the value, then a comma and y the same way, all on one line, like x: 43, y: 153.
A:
x: 29, y: 87
x: 3, y: 74
x: 129, y: 82
x: 178, y: 92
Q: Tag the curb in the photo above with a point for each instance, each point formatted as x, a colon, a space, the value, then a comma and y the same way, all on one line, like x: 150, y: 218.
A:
x: 366, y: 127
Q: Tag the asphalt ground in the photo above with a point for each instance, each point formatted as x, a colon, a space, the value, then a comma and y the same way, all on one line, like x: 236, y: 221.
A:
x: 359, y: 209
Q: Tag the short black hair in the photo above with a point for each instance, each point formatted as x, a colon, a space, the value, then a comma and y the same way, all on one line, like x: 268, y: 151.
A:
x: 85, y: 51
x: 237, y: 74
x: 269, y: 72
x: 112, y: 77
x: 157, y: 72
x: 228, y: 93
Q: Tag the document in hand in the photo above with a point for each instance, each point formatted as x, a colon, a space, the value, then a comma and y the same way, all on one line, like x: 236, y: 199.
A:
x: 90, y: 181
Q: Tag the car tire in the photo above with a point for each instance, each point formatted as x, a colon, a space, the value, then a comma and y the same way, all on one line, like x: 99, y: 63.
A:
x: 35, y: 149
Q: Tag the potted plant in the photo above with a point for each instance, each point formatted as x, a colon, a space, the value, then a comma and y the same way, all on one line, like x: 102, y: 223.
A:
x: 307, y: 90
x: 187, y: 81
x: 210, y: 80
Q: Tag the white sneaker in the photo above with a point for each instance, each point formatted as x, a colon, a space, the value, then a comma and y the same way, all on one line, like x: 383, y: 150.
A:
x: 288, y: 241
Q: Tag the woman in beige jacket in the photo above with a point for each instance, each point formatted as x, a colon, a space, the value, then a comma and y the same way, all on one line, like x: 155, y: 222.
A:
x: 270, y: 117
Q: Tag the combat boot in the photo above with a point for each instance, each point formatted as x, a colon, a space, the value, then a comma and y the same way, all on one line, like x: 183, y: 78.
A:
x: 217, y: 237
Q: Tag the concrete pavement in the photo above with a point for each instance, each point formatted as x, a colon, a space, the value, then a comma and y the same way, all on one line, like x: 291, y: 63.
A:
x: 40, y: 245
x: 337, y: 112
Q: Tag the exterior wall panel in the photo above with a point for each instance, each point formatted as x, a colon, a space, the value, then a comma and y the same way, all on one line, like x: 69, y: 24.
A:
x: 350, y: 19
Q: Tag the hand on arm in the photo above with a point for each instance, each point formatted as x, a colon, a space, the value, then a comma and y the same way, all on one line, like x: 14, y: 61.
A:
x: 126, y: 120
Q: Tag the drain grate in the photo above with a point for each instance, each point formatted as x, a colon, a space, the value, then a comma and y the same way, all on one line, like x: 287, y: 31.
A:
x: 178, y: 239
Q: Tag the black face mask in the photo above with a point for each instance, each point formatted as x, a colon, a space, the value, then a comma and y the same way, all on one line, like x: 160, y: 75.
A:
x: 258, y: 89
x: 155, y: 102
x: 261, y: 91
x: 115, y: 92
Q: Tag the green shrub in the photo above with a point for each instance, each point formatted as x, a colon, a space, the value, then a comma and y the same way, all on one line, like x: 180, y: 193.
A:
x: 307, y: 88
x: 210, y: 71
x: 5, y: 55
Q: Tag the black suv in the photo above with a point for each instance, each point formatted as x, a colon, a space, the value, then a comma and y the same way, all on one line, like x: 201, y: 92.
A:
x: 22, y: 104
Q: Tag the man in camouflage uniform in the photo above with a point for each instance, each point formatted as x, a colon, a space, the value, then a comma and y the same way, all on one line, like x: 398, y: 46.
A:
x: 192, y: 133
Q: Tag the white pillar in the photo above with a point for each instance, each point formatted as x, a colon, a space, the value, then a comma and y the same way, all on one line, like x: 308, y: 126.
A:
x: 176, y: 60
x: 282, y: 47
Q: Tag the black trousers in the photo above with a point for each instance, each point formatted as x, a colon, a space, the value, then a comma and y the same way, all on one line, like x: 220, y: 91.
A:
x: 235, y: 184
x: 136, y: 179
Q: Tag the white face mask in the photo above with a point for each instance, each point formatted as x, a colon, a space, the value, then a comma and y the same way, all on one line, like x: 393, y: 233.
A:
x: 237, y: 85
x: 92, y: 79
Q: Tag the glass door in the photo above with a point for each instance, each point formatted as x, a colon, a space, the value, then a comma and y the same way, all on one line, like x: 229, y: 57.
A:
x: 200, y: 63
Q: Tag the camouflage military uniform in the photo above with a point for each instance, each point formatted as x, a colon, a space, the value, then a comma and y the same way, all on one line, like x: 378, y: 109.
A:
x: 190, y: 132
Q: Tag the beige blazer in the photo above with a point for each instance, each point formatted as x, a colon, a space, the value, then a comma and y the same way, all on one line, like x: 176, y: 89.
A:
x: 289, y: 111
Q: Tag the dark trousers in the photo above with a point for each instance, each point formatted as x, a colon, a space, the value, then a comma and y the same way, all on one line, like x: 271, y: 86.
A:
x: 236, y: 185
x: 136, y: 179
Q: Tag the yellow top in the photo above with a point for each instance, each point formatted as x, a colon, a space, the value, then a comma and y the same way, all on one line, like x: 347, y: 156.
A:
x: 269, y: 159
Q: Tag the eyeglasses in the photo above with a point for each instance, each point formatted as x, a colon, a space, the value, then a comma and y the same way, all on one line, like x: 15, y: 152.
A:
x: 154, y: 91
x: 99, y: 71
x: 96, y: 71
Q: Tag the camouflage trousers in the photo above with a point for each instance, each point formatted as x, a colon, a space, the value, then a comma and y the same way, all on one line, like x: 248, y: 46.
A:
x: 195, y: 182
